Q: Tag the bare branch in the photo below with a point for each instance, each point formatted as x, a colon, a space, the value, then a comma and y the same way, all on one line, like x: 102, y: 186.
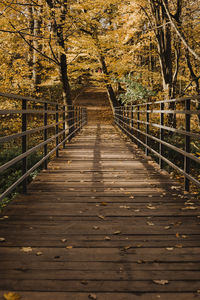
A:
x: 180, y: 34
x: 30, y: 45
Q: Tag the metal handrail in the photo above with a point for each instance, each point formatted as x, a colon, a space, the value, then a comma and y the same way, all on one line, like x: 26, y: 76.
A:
x: 71, y: 119
x: 128, y: 119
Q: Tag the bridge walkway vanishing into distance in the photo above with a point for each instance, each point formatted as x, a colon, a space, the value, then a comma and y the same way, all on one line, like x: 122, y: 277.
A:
x: 102, y: 222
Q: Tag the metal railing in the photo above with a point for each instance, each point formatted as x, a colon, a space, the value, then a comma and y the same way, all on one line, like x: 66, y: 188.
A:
x: 57, y: 125
x: 148, y: 125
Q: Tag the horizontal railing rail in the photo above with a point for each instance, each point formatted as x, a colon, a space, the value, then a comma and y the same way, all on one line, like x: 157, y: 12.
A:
x: 54, y: 124
x: 149, y: 126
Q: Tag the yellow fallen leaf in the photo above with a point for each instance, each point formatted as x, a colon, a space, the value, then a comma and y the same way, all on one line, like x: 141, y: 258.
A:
x: 161, y: 282
x: 26, y: 249
x: 92, y: 296
x: 189, y: 207
x: 2, y: 239
x: 69, y: 247
x: 107, y: 238
x: 179, y: 246
x: 63, y: 240
x: 127, y: 247
x: 150, y: 223
x: 167, y: 227
x: 117, y: 232
x: 39, y: 253
x: 184, y: 236
x: 170, y: 248
x: 101, y: 217
x: 151, y: 207
x: 103, y: 204
x: 11, y: 296
x: 140, y: 261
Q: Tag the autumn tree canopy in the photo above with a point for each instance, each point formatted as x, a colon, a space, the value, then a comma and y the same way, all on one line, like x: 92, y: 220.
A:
x: 75, y: 42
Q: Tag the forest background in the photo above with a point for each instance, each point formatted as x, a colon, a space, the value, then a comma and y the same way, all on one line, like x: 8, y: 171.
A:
x: 146, y: 48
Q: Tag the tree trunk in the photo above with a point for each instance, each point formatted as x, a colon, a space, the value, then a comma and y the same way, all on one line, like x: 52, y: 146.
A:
x: 58, y: 33
x: 111, y: 94
x: 36, y: 73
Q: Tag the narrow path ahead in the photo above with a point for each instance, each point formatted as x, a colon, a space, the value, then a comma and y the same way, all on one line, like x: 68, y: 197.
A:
x: 101, y: 223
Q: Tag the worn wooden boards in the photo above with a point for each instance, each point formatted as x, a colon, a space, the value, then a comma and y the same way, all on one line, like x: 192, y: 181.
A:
x: 101, y: 222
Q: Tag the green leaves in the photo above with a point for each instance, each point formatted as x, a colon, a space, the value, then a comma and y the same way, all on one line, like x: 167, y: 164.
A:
x: 135, y: 91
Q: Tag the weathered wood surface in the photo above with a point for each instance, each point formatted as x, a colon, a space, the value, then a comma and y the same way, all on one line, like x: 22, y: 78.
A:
x: 125, y: 224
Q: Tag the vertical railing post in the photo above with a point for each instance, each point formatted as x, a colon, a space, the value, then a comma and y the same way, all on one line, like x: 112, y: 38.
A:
x: 123, y: 117
x: 24, y: 144
x: 161, y: 147
x: 187, y: 144
x: 138, y: 123
x: 64, y: 126
x: 132, y: 122
x: 129, y: 118
x: 76, y: 115
x: 45, y: 133
x: 147, y: 129
x: 57, y: 151
x: 80, y: 118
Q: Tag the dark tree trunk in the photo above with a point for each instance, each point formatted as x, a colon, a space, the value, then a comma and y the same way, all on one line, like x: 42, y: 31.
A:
x: 164, y: 43
x: 62, y: 63
x: 111, y: 94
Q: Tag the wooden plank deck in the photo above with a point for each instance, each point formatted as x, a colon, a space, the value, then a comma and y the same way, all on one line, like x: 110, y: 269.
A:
x: 102, y: 223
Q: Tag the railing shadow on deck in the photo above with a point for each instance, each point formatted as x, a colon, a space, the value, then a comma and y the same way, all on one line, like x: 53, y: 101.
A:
x: 54, y: 124
x: 148, y: 126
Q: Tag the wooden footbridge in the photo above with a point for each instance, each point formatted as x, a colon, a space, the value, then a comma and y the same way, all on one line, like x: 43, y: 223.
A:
x: 103, y: 221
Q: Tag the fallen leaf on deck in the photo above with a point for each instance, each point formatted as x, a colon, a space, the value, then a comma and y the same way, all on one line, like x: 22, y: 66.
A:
x: 107, y: 238
x: 150, y: 223
x: 170, y: 248
x: 39, y: 253
x: 95, y: 227
x: 124, y: 206
x: 11, y: 296
x: 92, y: 296
x: 103, y: 204
x: 177, y: 235
x: 179, y: 246
x: 131, y: 197
x: 151, y: 207
x: 161, y: 282
x: 69, y: 162
x: 101, y: 217
x: 26, y: 249
x: 189, y: 207
x: 117, y: 232
x: 184, y: 236
x: 2, y: 239
x: 63, y: 240
x: 140, y: 261
x: 167, y: 227
x: 84, y: 282
x: 127, y: 247
x: 69, y: 247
